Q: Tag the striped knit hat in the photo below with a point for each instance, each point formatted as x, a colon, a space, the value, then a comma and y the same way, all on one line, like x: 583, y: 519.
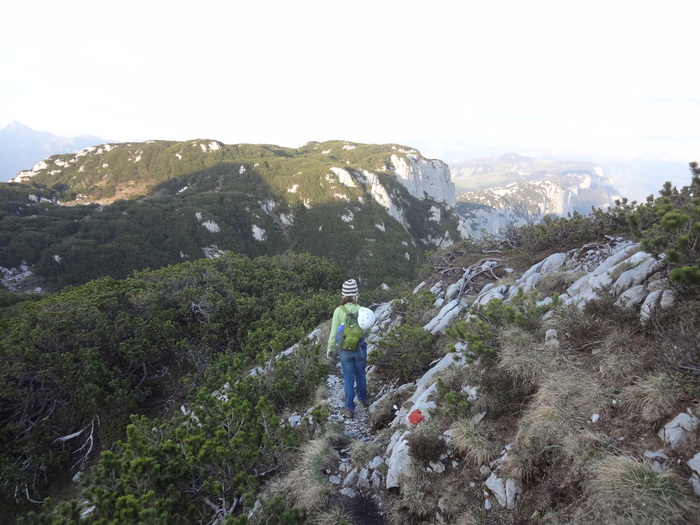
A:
x: 349, y: 288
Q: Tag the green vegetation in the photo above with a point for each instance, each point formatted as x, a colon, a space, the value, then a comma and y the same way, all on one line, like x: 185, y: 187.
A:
x: 80, y: 362
x: 670, y: 226
x: 169, y: 390
x: 127, y: 207
x: 404, y: 353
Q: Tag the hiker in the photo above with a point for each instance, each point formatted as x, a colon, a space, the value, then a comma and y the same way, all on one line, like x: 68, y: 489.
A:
x: 352, y: 362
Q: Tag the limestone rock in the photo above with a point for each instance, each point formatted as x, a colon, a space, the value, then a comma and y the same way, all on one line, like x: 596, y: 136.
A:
x: 497, y: 488
x: 445, y: 316
x: 679, y: 429
x: 398, y: 462
x: 376, y: 462
x: 633, y: 297
x: 694, y: 463
x: 349, y: 492
x: 552, y: 263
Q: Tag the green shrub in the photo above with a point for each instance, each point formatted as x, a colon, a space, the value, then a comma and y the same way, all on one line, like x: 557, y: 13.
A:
x: 451, y: 400
x: 404, y: 353
x: 669, y: 227
x: 108, y: 349
x: 481, y: 330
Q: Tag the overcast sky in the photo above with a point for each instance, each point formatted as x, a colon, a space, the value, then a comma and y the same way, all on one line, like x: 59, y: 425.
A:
x: 614, y: 77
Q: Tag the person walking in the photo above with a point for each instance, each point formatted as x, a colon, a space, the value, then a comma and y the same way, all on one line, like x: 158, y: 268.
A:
x: 353, y: 363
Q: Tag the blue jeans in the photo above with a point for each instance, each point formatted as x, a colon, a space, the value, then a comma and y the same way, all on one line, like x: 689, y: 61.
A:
x: 353, y: 365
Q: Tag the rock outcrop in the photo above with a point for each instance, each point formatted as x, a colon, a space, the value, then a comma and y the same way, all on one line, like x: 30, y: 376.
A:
x: 424, y: 178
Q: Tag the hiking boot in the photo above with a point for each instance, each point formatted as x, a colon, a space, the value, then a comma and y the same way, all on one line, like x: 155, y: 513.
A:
x: 346, y: 412
x: 365, y: 403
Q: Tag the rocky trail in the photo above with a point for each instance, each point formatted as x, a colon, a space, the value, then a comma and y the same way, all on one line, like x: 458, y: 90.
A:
x: 359, y: 427
x: 359, y: 487
x: 379, y: 476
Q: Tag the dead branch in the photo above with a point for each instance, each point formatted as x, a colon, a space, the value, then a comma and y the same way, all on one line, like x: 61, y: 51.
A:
x: 469, y: 276
x: 89, y: 443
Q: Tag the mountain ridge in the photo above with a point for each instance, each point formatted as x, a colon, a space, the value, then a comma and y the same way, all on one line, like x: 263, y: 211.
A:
x: 159, y: 202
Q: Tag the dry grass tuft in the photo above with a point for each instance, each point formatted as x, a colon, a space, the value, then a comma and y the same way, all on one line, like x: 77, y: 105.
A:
x: 623, y: 491
x: 622, y: 354
x: 307, y: 485
x: 471, y: 443
x: 552, y: 425
x: 453, y: 501
x: 469, y: 518
x: 652, y: 397
x: 335, y: 516
x: 364, y: 452
x: 524, y: 358
x: 557, y: 282
x: 522, y: 464
x: 417, y: 498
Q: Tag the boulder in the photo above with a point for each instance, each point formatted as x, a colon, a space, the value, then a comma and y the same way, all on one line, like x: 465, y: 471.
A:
x: 551, y: 264
x: 446, y: 314
x: 632, y: 298
x: 679, y: 429
x: 398, y: 462
x: 647, y: 266
x: 694, y: 463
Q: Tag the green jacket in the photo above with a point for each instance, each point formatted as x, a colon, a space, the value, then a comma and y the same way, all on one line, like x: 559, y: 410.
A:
x: 338, y: 319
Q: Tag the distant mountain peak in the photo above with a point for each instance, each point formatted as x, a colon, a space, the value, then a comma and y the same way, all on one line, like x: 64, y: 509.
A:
x: 16, y: 126
x: 22, y: 147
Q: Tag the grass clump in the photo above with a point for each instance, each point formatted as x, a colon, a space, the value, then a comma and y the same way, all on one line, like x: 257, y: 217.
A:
x: 652, y: 397
x: 523, y: 357
x: 335, y: 516
x: 550, y: 428
x: 624, y: 491
x: 621, y: 355
x: 364, y: 452
x: 307, y: 486
x: 556, y: 282
x: 471, y: 443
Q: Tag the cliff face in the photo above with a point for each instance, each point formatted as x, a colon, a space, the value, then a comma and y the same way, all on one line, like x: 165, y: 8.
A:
x: 492, y: 210
x: 424, y: 178
x: 512, y: 190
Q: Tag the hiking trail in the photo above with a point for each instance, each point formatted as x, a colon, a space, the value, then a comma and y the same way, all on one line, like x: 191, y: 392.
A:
x: 361, y: 488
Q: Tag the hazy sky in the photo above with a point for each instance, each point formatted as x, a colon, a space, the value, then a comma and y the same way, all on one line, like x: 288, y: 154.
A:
x: 618, y: 77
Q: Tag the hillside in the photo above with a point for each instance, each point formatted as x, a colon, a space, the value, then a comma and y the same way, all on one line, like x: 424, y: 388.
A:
x: 116, y: 208
x: 551, y: 379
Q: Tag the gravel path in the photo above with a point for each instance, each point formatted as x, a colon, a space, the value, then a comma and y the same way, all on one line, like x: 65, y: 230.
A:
x: 359, y: 488
x: 360, y: 426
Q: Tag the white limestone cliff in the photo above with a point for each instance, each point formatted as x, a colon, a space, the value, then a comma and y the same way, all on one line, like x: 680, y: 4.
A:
x: 424, y: 178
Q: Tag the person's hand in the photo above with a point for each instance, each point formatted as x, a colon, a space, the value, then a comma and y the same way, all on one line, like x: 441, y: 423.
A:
x: 329, y: 353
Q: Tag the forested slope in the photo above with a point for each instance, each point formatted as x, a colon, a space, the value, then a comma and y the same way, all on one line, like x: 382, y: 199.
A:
x: 110, y: 210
